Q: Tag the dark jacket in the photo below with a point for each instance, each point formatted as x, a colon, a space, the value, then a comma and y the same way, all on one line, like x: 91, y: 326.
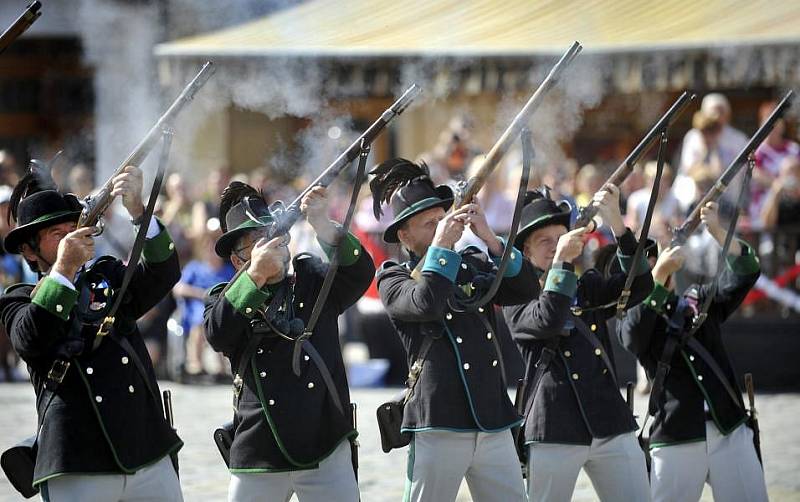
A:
x: 102, y: 418
x: 578, y: 398
x: 690, y: 382
x: 285, y: 422
x: 461, y: 386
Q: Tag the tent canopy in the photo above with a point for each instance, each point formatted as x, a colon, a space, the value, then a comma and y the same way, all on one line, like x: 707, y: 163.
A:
x: 377, y: 28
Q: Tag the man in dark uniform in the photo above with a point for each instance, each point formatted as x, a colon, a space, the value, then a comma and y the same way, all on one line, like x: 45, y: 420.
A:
x: 293, y: 422
x: 103, y: 434
x: 459, y: 411
x: 699, y: 432
x: 575, y: 416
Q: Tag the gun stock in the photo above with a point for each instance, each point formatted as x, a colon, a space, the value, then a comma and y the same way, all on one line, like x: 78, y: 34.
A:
x: 21, y: 25
x: 95, y: 205
x: 624, y: 170
x: 693, y: 220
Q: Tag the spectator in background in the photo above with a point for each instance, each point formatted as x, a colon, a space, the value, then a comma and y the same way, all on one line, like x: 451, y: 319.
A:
x: 728, y: 144
x: 80, y: 181
x: 177, y: 215
x: 455, y: 150
x: 705, y: 151
x: 9, y: 168
x: 197, y: 277
x: 770, y: 157
x: 782, y: 202
x: 588, y: 182
x: 666, y: 205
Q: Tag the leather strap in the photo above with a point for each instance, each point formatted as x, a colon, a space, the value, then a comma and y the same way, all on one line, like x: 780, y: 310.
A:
x: 133, y: 260
x: 416, y: 367
x: 707, y: 358
x: 327, y: 283
x: 701, y: 317
x: 486, y: 298
x: 546, y: 357
x: 622, y: 302
x: 595, y: 343
x: 327, y: 378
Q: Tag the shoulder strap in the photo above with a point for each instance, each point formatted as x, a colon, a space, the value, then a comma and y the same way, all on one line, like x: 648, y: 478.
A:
x: 595, y: 343
x: 674, y: 328
x: 416, y: 367
x: 327, y: 283
x: 707, y: 358
x: 547, y: 356
x: 141, y: 235
x: 625, y: 295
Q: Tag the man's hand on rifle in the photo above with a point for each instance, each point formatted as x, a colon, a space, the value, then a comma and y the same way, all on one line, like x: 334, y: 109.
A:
x: 709, y: 214
x: 570, y: 245
x: 607, y: 202
x: 268, y: 261
x: 128, y: 184
x: 450, y: 228
x: 314, y: 206
x: 75, y: 249
x: 476, y: 221
x: 669, y: 261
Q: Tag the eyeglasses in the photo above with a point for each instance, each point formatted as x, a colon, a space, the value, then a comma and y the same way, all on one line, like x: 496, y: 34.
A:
x: 258, y: 235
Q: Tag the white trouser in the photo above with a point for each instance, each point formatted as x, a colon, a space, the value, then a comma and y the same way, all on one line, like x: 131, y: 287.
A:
x: 439, y: 460
x: 333, y: 481
x: 615, y: 465
x: 154, y: 483
x: 728, y: 463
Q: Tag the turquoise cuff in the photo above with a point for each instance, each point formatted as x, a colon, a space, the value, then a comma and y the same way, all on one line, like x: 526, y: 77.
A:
x: 245, y: 296
x: 657, y: 298
x: 514, y: 261
x: 349, y: 250
x: 561, y: 281
x: 160, y: 247
x: 55, y: 298
x: 443, y: 261
x: 745, y: 264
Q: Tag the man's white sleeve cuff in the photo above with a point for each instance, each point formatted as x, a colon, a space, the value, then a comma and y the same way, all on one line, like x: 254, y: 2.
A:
x: 152, y: 229
x: 61, y: 279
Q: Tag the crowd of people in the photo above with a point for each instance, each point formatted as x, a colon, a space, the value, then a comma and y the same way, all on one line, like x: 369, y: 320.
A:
x: 214, y: 271
x: 189, y: 211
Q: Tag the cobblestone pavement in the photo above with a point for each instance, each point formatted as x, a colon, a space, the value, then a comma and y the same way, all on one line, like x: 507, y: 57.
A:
x: 198, y: 410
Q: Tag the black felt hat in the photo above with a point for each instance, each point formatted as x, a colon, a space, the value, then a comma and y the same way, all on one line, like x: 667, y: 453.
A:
x: 36, y: 204
x: 408, y: 188
x: 242, y: 209
x: 541, y: 211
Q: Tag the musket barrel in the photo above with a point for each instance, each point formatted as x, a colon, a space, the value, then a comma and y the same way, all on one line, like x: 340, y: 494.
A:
x: 693, y: 220
x: 101, y: 200
x: 292, y: 213
x: 501, y: 147
x: 21, y: 25
x: 626, y: 167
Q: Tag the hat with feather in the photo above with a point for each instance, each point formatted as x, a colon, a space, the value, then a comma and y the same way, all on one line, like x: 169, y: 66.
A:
x: 35, y: 204
x: 407, y: 187
x: 540, y: 211
x: 242, y: 209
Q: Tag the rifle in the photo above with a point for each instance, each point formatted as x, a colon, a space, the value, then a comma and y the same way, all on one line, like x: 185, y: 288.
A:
x: 289, y: 216
x: 23, y: 22
x: 95, y: 205
x: 753, y: 414
x: 474, y: 184
x: 682, y: 233
x: 619, y: 175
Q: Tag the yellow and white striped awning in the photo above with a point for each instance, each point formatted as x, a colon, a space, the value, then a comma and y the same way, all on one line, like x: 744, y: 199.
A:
x: 342, y: 28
